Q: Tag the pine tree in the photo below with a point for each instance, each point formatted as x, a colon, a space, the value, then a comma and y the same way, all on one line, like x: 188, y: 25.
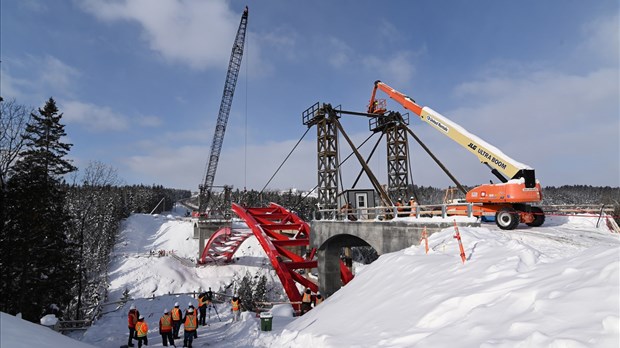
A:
x: 39, y: 259
x: 260, y: 292
x: 245, y: 292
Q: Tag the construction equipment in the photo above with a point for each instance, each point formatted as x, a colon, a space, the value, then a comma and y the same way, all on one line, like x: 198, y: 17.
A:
x: 509, y: 199
x: 206, y: 189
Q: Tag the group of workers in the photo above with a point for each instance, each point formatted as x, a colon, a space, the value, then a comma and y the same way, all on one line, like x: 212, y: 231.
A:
x: 170, y: 321
x: 308, y: 300
x: 404, y: 210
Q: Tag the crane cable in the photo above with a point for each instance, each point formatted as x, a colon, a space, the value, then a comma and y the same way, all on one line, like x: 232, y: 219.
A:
x: 287, y: 156
x: 245, y: 141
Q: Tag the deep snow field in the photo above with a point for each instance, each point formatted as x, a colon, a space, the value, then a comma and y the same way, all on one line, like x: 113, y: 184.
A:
x: 557, y: 285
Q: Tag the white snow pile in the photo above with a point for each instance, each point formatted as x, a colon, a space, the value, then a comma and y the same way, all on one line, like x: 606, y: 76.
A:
x: 552, y: 286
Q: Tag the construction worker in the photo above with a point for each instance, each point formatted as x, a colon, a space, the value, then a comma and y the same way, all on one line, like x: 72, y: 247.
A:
x: 176, y: 315
x: 193, y: 312
x: 235, y: 308
x: 306, y: 301
x: 190, y: 324
x: 318, y: 299
x: 202, y: 307
x: 142, y: 329
x: 132, y: 319
x: 413, y: 206
x: 165, y: 328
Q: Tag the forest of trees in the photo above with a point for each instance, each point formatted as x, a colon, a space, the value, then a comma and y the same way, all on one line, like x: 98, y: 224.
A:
x: 56, y: 236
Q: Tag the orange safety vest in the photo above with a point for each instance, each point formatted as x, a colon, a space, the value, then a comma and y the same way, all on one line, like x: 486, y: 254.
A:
x: 318, y: 300
x: 307, y: 298
x: 190, y: 323
x: 165, y: 323
x: 413, y: 205
x: 176, y: 314
x: 141, y: 329
x: 201, y: 301
x: 132, y: 318
x: 235, y: 305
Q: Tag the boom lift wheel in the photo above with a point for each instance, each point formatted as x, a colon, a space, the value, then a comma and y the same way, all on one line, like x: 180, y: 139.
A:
x: 539, y: 217
x: 507, y: 219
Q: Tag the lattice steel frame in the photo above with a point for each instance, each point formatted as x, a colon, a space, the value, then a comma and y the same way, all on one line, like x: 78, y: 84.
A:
x: 327, y: 163
x: 397, y: 160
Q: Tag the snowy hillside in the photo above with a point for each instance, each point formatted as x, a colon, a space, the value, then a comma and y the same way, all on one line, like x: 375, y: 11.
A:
x: 556, y: 285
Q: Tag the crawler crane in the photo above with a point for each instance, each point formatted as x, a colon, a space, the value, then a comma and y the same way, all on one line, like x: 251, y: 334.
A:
x: 508, y: 200
x: 206, y: 189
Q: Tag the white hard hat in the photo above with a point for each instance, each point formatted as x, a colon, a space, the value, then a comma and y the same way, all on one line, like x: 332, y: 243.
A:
x: 176, y: 304
x: 132, y: 306
x: 191, y: 310
x: 165, y: 310
x: 189, y: 304
x: 141, y: 317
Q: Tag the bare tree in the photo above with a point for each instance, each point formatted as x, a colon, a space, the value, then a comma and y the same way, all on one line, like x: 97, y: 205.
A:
x: 13, y: 120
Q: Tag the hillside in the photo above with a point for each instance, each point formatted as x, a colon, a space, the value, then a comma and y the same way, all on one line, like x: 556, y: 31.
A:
x: 556, y: 285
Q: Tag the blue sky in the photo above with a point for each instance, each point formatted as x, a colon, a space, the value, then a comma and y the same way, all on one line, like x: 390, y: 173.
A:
x: 140, y: 83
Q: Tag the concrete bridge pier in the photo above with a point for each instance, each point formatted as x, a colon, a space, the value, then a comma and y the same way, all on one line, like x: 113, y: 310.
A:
x: 329, y: 237
x: 328, y: 257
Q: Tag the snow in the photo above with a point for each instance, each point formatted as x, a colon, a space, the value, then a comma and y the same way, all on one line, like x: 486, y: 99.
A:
x: 16, y: 333
x: 551, y: 286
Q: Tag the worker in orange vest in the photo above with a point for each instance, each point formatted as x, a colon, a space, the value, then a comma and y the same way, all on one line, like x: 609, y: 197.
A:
x: 194, y: 312
x: 318, y: 299
x: 413, y: 204
x: 190, y: 323
x: 176, y: 315
x: 132, y: 319
x: 165, y: 328
x: 306, y: 301
x: 142, y: 329
x: 202, y: 308
x: 236, y: 308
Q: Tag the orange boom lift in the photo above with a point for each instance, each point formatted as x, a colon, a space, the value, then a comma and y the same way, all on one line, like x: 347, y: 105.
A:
x: 508, y: 200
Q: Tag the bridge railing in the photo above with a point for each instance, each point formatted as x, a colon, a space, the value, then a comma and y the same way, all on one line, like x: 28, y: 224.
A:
x: 381, y: 213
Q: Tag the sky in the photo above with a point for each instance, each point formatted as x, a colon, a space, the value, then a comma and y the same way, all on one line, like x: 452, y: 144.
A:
x: 556, y: 285
x: 140, y: 82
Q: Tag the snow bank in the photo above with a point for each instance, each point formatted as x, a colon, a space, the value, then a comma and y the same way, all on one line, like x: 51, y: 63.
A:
x: 21, y: 333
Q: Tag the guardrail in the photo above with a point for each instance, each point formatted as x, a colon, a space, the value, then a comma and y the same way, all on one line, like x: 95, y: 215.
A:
x: 381, y: 213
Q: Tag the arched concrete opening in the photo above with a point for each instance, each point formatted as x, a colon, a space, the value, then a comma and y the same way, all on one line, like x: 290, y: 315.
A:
x: 329, y: 257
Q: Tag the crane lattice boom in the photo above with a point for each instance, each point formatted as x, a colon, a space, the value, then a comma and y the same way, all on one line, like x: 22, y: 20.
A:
x: 220, y: 129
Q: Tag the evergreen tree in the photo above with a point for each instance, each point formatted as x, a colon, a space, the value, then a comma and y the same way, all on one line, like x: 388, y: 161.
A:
x: 245, y: 292
x: 260, y: 292
x: 38, y: 259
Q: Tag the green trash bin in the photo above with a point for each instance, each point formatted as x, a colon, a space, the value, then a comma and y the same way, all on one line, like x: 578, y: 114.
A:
x: 265, y: 321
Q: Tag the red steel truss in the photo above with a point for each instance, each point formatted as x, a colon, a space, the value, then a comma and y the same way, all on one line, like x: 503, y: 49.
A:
x: 284, y: 236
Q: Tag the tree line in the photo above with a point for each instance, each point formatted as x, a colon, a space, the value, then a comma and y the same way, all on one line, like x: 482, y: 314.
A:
x: 58, y: 226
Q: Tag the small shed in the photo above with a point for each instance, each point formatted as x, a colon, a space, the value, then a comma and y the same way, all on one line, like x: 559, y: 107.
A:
x: 361, y: 201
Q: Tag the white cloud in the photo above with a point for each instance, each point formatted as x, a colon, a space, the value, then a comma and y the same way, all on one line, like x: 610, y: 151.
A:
x: 398, y: 67
x: 184, y: 167
x: 42, y: 77
x: 196, y: 33
x: 93, y: 117
x: 602, y: 40
x: 149, y: 121
x: 339, y: 53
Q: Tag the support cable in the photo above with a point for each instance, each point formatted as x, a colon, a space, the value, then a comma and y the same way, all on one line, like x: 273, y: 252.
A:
x: 340, y: 164
x: 287, y: 156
